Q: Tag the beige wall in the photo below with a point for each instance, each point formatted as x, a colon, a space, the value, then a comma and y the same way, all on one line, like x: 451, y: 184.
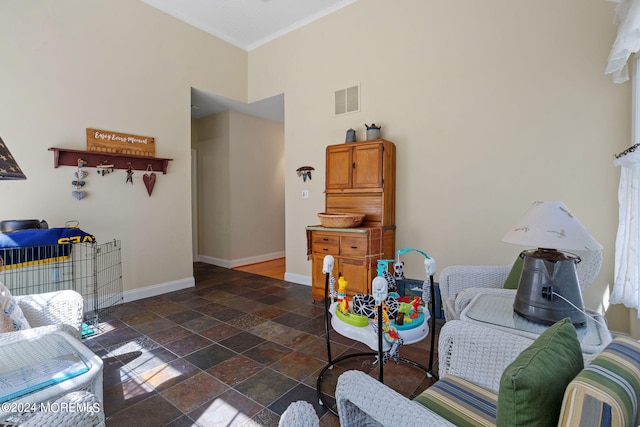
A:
x: 214, y: 175
x: 118, y: 65
x: 241, y: 189
x: 492, y: 105
x: 257, y: 188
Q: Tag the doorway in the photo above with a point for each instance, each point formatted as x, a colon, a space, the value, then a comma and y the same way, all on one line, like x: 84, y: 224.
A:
x: 237, y: 172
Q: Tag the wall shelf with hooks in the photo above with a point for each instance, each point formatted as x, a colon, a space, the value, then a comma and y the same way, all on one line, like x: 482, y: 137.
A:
x: 68, y: 157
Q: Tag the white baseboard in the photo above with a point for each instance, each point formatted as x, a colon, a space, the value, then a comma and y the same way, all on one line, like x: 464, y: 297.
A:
x: 255, y: 259
x: 297, y: 278
x: 162, y: 288
x: 214, y: 261
x: 189, y: 282
x: 240, y: 261
x: 289, y: 277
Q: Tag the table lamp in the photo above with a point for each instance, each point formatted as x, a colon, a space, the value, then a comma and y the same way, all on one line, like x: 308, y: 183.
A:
x: 548, y: 290
x: 9, y: 169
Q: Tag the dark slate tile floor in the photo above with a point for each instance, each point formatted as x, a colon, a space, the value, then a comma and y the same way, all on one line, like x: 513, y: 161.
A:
x: 235, y: 350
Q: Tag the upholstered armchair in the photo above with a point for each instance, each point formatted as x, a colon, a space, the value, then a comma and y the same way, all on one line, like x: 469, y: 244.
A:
x: 459, y: 284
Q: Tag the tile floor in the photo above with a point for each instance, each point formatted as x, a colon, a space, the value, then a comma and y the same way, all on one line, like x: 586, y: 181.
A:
x: 235, y: 349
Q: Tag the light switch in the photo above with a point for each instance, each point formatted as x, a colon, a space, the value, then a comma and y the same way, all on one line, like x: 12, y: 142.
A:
x: 305, y: 194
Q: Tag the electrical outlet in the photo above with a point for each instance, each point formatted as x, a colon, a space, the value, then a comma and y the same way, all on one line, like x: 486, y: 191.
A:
x: 305, y: 194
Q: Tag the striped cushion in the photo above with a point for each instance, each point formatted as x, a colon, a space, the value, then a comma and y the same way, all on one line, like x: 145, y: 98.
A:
x: 460, y: 402
x: 606, y: 392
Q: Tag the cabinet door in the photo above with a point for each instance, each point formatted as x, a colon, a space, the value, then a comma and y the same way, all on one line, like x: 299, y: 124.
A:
x: 339, y: 166
x: 367, y: 172
x: 355, y: 273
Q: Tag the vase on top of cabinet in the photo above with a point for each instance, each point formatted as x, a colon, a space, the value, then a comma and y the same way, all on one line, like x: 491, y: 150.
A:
x: 360, y: 178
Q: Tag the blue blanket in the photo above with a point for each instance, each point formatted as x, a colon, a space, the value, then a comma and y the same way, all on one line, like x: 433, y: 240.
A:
x: 24, y: 247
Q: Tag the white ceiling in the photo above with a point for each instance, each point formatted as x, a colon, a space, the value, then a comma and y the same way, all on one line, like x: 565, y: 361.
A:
x: 246, y: 24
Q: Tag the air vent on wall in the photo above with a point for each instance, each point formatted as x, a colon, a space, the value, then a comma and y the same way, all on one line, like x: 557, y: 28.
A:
x: 347, y: 100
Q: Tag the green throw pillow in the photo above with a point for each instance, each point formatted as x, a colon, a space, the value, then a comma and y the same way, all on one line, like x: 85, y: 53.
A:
x: 533, y: 385
x: 514, y: 275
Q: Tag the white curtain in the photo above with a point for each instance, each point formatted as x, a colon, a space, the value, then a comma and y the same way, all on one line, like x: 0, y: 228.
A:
x: 626, y: 284
x: 627, y: 257
x: 628, y: 40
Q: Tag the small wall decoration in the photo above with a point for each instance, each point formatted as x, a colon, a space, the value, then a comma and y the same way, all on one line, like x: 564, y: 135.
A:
x: 149, y: 179
x: 79, y: 182
x: 305, y: 172
x: 107, y: 141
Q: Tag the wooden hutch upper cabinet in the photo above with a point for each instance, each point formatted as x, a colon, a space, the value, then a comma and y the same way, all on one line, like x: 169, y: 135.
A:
x: 355, y: 165
x: 360, y: 178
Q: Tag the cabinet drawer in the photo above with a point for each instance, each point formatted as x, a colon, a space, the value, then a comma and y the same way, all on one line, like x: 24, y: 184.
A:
x: 353, y: 246
x: 325, y: 244
x: 325, y: 248
x: 326, y: 239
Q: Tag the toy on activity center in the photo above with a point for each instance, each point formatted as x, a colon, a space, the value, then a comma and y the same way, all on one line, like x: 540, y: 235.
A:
x: 340, y: 308
x: 398, y: 269
x: 390, y: 335
x: 430, y: 270
x: 404, y: 319
x: 342, y: 295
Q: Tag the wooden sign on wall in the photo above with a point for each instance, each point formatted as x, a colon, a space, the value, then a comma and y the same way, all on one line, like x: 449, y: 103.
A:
x: 107, y: 141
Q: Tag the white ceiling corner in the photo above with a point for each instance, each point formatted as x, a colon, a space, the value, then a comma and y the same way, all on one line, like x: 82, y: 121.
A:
x: 246, y: 24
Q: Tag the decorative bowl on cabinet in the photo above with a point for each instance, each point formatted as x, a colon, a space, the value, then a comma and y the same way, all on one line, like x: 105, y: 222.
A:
x: 340, y: 219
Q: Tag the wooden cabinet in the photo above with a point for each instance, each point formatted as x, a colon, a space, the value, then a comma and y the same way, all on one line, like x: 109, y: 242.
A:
x: 358, y: 165
x: 360, y: 178
x: 356, y: 252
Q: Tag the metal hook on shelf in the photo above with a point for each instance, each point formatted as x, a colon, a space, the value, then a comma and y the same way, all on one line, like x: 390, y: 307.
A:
x: 129, y: 174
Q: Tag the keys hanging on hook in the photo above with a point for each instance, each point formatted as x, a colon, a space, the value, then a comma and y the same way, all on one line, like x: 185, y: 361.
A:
x: 104, y: 168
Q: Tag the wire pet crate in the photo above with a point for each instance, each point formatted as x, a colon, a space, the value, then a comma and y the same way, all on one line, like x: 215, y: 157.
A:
x: 91, y: 269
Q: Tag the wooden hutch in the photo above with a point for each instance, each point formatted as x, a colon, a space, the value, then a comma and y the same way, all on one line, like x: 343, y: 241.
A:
x: 360, y: 178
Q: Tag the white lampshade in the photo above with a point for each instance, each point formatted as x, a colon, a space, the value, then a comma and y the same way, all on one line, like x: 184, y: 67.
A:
x: 551, y: 225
